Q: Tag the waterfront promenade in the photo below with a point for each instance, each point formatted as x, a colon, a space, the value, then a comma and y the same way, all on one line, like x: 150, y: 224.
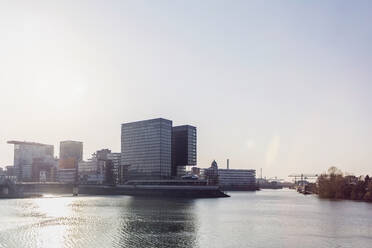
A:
x: 263, y: 219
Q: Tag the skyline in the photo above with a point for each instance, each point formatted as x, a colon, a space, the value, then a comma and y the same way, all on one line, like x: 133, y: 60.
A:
x: 280, y: 86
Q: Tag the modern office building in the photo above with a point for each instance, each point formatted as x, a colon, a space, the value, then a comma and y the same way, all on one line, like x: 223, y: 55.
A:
x: 24, y: 155
x: 183, y: 149
x: 70, y: 154
x: 146, y: 151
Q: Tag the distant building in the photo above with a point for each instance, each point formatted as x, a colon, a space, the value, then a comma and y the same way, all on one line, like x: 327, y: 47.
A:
x: 90, y: 172
x: 211, y: 174
x: 183, y: 149
x: 70, y: 154
x: 106, y: 166
x: 44, y: 170
x: 195, y: 171
x: 118, y: 171
x: 146, y: 149
x: 237, y: 179
x: 99, y: 169
x: 231, y: 179
x: 2, y: 172
x: 10, y: 172
x: 24, y: 155
x: 66, y: 175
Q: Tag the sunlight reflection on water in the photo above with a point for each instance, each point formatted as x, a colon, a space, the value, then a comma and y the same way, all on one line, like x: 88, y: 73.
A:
x: 262, y: 219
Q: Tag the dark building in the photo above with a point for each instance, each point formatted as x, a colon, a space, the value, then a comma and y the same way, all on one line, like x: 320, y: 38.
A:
x: 183, y: 149
x: 70, y: 154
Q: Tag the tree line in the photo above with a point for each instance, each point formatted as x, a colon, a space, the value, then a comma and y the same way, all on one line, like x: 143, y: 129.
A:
x: 334, y: 185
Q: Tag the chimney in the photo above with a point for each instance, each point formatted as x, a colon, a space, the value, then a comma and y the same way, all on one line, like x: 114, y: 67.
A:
x: 228, y: 166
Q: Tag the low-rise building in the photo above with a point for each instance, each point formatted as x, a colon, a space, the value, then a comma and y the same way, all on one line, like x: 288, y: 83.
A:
x: 44, y: 170
x: 10, y: 171
x: 237, y: 179
x: 230, y: 179
x: 66, y: 175
x: 102, y: 168
x: 90, y: 172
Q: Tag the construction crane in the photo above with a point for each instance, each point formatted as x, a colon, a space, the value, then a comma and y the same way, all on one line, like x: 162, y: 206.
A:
x: 275, y: 179
x: 303, y: 176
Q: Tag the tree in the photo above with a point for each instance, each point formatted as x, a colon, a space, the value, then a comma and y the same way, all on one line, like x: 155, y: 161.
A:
x: 368, y: 195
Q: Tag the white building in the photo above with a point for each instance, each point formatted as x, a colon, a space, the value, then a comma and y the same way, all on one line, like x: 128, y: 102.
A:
x: 66, y: 175
x: 91, y: 172
x: 24, y: 155
x: 237, y: 179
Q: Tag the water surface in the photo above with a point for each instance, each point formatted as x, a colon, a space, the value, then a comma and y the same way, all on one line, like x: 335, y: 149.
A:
x: 268, y: 218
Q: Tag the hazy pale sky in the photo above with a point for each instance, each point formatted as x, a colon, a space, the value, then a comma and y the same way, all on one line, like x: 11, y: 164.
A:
x: 280, y: 85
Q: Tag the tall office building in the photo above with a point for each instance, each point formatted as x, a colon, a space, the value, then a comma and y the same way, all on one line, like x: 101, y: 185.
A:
x: 70, y: 154
x: 183, y: 148
x: 146, y: 149
x: 25, y: 153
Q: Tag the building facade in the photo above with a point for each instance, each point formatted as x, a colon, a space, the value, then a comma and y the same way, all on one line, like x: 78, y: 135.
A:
x: 66, y: 175
x: 237, y: 179
x: 24, y: 155
x: 100, y: 169
x: 44, y: 170
x: 118, y: 173
x: 146, y: 149
x: 70, y: 154
x: 90, y: 172
x: 183, y: 149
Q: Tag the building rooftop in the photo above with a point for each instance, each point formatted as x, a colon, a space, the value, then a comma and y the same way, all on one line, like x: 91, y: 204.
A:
x: 183, y: 127
x: 70, y: 141
x: 156, y: 119
x: 14, y: 142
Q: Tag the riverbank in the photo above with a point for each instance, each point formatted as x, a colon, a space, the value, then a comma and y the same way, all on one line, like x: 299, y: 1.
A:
x: 180, y: 191
x: 335, y: 185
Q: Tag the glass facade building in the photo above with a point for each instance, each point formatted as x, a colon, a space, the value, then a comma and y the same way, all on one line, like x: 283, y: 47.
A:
x: 183, y: 148
x: 146, y: 149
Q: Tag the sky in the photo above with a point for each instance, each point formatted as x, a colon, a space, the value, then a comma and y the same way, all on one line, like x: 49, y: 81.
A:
x: 280, y: 85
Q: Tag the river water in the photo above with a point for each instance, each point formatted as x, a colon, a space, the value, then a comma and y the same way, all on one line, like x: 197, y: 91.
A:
x: 268, y: 218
